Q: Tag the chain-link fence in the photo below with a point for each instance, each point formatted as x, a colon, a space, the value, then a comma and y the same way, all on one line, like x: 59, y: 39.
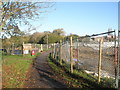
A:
x: 95, y: 54
x: 118, y: 62
x: 88, y: 49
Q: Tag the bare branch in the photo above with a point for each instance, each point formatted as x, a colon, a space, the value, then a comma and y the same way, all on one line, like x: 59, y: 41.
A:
x: 12, y: 12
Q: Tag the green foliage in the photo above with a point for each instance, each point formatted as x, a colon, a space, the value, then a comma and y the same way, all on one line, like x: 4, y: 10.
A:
x: 41, y: 38
x: 36, y: 37
x: 6, y: 43
x: 59, y: 31
x: 17, y: 40
x: 52, y: 38
x: 74, y: 36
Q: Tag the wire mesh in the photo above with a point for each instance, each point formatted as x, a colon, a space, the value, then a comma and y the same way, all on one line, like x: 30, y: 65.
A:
x: 66, y: 52
x: 86, y: 54
x: 89, y: 55
x: 118, y: 62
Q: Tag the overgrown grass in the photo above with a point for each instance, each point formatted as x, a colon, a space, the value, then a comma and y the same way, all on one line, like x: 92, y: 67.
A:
x: 14, y: 70
x: 78, y: 79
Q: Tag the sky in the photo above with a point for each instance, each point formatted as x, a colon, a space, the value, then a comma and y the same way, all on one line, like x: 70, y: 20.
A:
x: 81, y: 18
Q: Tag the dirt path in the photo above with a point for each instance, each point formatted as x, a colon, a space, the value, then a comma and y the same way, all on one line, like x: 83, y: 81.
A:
x: 41, y: 75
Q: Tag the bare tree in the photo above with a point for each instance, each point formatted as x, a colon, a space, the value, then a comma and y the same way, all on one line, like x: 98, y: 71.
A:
x: 13, y: 13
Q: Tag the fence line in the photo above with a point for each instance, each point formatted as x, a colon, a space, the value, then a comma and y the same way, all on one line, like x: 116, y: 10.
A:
x: 25, y: 48
x: 85, y: 53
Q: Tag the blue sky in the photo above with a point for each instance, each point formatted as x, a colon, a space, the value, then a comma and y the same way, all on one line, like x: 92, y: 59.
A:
x: 80, y: 17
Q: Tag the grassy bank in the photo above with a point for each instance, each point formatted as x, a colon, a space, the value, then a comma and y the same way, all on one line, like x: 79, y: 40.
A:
x: 78, y: 79
x: 14, y: 70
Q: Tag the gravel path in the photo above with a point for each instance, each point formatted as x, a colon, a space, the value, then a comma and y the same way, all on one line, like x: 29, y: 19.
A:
x: 41, y: 75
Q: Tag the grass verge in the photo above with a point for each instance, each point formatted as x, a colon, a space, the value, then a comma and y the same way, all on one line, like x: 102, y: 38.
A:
x: 14, y: 69
x: 78, y: 79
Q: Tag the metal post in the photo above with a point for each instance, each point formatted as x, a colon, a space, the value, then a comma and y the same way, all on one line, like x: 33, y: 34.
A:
x: 100, y: 58
x: 71, y: 56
